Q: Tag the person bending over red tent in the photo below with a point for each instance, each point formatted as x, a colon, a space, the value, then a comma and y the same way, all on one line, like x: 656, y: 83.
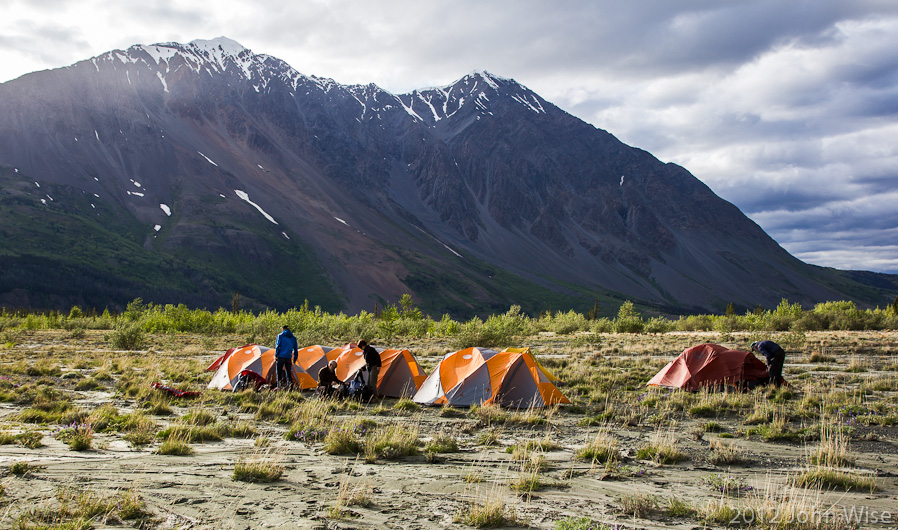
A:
x: 775, y: 356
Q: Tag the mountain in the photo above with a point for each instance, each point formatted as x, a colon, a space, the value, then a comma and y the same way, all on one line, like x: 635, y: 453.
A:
x: 188, y: 172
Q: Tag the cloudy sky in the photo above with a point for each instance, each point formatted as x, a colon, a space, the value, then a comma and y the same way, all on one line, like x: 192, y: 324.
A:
x: 788, y: 109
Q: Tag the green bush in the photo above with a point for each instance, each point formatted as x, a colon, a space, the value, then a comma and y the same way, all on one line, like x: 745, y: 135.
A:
x: 628, y: 319
x: 127, y: 336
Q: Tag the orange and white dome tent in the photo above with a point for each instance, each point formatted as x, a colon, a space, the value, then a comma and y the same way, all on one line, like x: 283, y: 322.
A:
x: 313, y: 358
x: 476, y: 376
x: 400, y: 375
x: 257, y: 359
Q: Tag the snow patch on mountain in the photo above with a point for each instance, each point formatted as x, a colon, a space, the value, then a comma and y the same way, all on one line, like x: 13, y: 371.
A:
x: 208, y: 159
x: 245, y: 196
x: 164, y: 84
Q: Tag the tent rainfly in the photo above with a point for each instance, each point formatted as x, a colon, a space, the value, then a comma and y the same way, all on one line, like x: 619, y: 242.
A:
x: 476, y: 376
x: 313, y: 358
x: 400, y: 375
x: 711, y: 365
x: 257, y: 359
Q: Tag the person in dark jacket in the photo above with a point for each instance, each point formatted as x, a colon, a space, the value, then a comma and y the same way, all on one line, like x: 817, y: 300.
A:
x: 286, y: 352
x: 328, y: 382
x: 372, y: 364
x: 775, y: 356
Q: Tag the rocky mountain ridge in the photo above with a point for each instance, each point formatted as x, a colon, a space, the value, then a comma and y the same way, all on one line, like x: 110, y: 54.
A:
x: 234, y: 172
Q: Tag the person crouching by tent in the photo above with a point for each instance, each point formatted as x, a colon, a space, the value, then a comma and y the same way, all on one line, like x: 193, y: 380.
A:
x: 285, y: 350
x: 329, y: 385
x: 775, y: 356
x: 372, y: 365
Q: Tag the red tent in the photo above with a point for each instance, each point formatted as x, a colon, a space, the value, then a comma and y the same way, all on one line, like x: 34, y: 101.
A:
x: 710, y: 365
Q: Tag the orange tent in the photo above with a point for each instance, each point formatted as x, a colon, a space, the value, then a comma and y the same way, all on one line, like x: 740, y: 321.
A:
x: 314, y: 358
x: 549, y: 374
x: 400, y: 375
x: 710, y: 365
x: 475, y: 376
x: 218, y: 362
x: 257, y: 359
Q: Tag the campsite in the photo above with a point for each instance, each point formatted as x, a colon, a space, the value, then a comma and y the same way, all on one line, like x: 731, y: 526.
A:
x: 89, y: 443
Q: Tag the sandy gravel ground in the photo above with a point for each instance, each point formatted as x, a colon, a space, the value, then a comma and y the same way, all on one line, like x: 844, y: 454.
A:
x: 198, y: 491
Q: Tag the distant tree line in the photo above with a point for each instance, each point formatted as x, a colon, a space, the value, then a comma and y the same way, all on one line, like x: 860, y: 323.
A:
x: 405, y: 320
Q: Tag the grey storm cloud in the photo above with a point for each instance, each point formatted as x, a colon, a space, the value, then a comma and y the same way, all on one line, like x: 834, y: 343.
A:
x: 786, y: 109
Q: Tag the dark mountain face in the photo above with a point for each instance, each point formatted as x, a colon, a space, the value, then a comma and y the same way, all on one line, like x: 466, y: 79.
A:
x: 184, y: 173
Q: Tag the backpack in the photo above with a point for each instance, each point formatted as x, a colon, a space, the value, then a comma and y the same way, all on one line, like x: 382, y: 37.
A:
x: 358, y: 388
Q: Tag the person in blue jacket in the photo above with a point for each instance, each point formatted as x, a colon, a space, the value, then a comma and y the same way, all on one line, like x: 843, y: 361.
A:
x: 286, y: 352
x: 775, y: 356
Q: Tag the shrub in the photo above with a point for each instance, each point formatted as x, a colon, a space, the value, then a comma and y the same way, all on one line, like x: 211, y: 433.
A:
x: 489, y: 437
x: 257, y: 468
x: 727, y: 484
x: 832, y: 450
x: 88, y: 383
x: 175, y: 446
x: 661, y: 449
x: 78, y: 436
x: 528, y: 481
x: 127, y: 336
x: 139, y: 429
x: 723, y: 453
x: 406, y: 405
x: 677, y: 507
x: 496, y: 332
x: 30, y: 439
x: 105, y: 417
x: 487, y: 511
x: 442, y: 442
x: 350, y: 494
x: 22, y: 468
x: 638, y: 504
x: 391, y: 441
x: 602, y: 449
x: 342, y: 440
x: 828, y: 477
x: 628, y: 319
x: 580, y: 523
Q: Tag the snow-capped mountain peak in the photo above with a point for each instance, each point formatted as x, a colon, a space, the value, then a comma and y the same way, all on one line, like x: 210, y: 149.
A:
x: 164, y: 65
x: 222, y: 44
x: 478, y: 89
x: 211, y: 57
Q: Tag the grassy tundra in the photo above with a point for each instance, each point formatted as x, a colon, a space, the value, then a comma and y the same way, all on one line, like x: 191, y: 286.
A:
x: 86, y: 442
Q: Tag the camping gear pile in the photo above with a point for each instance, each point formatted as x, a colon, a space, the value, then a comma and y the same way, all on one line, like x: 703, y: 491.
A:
x: 474, y: 376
